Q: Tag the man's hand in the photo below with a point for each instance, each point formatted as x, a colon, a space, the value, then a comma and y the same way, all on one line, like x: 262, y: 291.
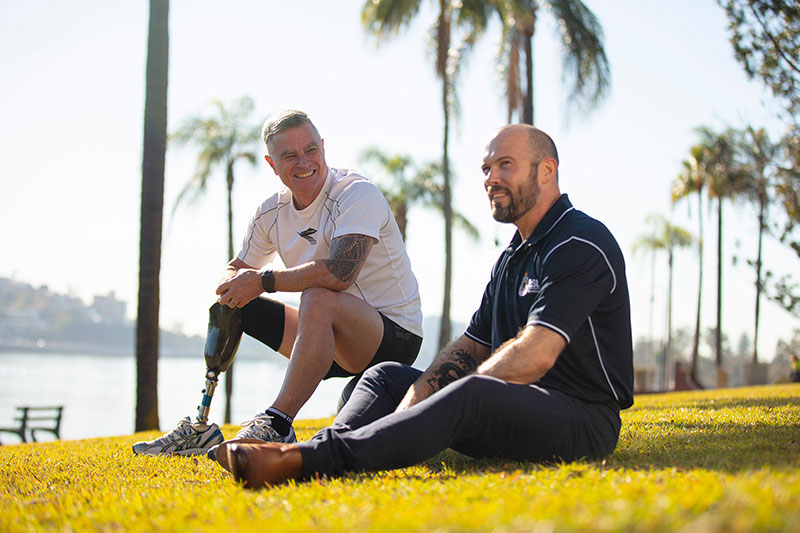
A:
x: 240, y: 287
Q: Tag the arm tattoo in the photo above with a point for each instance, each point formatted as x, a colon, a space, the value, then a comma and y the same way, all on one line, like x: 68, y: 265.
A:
x: 348, y: 252
x: 461, y: 363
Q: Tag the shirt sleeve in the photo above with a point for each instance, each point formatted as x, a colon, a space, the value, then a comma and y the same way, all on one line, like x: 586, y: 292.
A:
x: 577, y: 277
x: 362, y: 210
x: 480, y: 326
x: 257, y: 248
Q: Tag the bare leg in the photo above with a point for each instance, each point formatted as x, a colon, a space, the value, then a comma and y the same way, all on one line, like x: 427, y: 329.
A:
x: 330, y: 325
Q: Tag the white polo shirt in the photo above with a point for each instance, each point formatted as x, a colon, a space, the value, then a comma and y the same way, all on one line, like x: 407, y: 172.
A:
x: 348, y: 203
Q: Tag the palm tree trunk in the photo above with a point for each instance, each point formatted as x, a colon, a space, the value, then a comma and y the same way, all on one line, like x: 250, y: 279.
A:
x: 229, y: 372
x: 152, y: 211
x: 444, y: 326
x: 669, y: 382
x: 442, y: 70
x: 761, y: 223
x: 527, y: 25
x: 696, y: 340
x: 718, y: 340
x: 527, y: 112
x: 652, y: 304
x: 401, y: 217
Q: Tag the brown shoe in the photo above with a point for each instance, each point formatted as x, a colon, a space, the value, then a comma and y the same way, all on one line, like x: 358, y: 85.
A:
x: 264, y: 464
x: 221, y: 453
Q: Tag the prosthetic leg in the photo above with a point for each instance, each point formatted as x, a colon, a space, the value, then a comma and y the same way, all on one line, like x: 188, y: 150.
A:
x: 222, y: 340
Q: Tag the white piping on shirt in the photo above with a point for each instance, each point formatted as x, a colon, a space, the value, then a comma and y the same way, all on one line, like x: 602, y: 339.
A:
x: 551, y: 326
x: 600, y: 359
x: 590, y: 243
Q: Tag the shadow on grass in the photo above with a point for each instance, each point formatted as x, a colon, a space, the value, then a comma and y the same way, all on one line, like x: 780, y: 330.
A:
x: 727, y: 447
x: 660, y: 439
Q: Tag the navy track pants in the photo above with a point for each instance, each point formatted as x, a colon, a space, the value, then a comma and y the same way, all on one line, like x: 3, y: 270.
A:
x: 479, y: 416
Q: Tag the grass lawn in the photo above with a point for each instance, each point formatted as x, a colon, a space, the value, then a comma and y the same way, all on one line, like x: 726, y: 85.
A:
x: 723, y: 460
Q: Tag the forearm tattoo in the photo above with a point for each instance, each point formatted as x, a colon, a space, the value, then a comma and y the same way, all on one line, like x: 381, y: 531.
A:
x: 348, y: 252
x: 461, y: 363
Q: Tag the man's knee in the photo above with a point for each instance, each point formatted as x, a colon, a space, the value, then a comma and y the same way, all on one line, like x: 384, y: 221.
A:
x: 317, y: 302
x: 391, y: 376
x: 385, y: 369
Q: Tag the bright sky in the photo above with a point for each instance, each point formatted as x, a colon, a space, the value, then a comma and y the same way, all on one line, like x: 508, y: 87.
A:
x: 72, y: 105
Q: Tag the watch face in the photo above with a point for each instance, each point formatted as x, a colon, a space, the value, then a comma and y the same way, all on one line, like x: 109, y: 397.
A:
x: 268, y: 281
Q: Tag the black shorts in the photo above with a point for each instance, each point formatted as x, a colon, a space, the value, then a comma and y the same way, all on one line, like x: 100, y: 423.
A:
x: 263, y: 319
x: 398, y: 344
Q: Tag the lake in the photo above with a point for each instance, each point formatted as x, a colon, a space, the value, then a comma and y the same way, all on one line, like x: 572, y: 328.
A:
x: 99, y: 393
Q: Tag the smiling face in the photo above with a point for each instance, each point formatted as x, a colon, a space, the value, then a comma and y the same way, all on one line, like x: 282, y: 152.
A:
x: 297, y: 155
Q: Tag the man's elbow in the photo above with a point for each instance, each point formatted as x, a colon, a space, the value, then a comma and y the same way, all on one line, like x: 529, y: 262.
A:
x: 337, y: 284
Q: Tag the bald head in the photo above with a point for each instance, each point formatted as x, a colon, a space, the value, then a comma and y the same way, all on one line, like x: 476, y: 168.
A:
x: 541, y: 144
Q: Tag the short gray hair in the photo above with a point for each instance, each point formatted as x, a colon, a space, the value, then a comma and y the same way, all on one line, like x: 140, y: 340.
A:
x: 283, y: 120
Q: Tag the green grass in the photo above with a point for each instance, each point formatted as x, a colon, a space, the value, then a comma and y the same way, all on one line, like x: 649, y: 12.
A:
x: 726, y: 460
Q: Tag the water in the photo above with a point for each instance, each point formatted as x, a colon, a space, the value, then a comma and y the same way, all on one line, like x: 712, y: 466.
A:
x: 99, y: 393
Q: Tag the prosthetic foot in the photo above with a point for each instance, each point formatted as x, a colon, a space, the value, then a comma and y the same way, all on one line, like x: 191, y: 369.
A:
x: 199, y: 437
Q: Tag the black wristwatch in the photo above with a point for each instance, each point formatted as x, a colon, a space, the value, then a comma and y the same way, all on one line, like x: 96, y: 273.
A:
x: 268, y: 281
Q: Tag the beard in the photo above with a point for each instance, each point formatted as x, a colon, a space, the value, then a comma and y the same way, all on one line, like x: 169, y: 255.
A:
x: 520, y: 201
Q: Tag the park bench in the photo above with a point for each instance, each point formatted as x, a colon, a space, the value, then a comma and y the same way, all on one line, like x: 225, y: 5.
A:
x: 45, y: 419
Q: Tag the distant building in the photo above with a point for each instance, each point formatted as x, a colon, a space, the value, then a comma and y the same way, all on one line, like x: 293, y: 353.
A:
x: 108, y: 309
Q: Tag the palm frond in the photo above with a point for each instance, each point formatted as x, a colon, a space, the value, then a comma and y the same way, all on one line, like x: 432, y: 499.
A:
x: 384, y: 18
x: 585, y: 65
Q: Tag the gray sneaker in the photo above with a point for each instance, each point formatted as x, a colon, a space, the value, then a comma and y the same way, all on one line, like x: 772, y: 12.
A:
x: 186, y: 439
x: 260, y: 427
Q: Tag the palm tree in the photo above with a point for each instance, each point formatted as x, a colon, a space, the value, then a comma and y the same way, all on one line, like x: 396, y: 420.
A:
x: 759, y: 157
x: 787, y: 192
x: 424, y: 188
x: 724, y: 179
x: 584, y: 60
x: 224, y: 138
x: 692, y: 180
x: 665, y: 237
x: 384, y: 18
x: 152, y: 207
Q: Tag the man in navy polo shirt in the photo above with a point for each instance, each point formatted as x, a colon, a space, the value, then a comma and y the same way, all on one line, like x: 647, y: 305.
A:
x: 541, y: 373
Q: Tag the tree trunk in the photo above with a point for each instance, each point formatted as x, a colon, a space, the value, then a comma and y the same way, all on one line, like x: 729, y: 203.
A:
x: 527, y: 112
x: 444, y: 326
x: 696, y: 341
x: 152, y: 209
x: 669, y: 383
x: 718, y: 340
x: 527, y: 25
x: 229, y: 372
x: 653, y: 354
x: 401, y: 218
x: 759, y: 282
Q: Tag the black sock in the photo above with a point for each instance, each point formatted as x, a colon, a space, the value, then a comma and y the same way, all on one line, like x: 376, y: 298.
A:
x: 280, y: 421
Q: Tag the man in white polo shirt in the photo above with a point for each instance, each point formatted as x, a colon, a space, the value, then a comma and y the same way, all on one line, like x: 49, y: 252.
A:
x: 341, y: 247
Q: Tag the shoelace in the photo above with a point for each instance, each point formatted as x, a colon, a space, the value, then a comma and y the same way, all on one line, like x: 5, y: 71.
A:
x: 259, y: 423
x: 184, y: 428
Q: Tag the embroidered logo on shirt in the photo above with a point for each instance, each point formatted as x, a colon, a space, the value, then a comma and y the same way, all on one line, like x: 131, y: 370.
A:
x: 528, y: 285
x: 307, y: 235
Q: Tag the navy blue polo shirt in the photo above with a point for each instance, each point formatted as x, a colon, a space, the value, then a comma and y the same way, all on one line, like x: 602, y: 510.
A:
x: 568, y: 276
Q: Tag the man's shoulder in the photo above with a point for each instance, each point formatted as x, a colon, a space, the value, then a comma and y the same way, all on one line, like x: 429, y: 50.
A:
x: 351, y: 183
x: 273, y: 204
x: 577, y: 226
